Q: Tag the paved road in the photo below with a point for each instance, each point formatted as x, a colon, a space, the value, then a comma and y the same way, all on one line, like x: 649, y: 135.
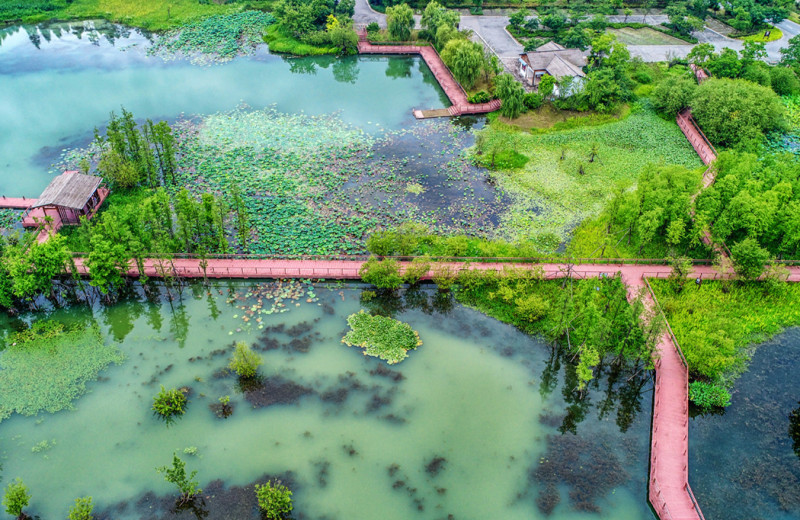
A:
x: 491, y: 29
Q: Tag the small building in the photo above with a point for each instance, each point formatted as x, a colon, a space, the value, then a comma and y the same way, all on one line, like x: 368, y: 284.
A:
x: 551, y: 59
x: 66, y: 199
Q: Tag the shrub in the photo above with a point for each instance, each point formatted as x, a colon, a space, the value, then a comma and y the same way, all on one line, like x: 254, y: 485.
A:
x: 480, y: 97
x: 414, y: 271
x: 731, y: 112
x: 444, y: 276
x: 177, y: 475
x: 642, y: 76
x: 532, y: 100
x: 749, y: 259
x: 709, y: 395
x: 16, y: 498
x: 82, y: 510
x: 382, y: 337
x: 275, y: 500
x: 169, y: 403
x: 383, y: 274
x: 532, y: 307
x: 373, y: 27
x: 673, y: 94
x: 244, y: 361
x: 784, y: 81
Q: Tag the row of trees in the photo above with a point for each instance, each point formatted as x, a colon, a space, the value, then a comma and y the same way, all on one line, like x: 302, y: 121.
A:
x: 136, y: 155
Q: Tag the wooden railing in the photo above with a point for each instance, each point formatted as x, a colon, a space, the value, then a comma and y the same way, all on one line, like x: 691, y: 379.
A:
x: 666, y: 322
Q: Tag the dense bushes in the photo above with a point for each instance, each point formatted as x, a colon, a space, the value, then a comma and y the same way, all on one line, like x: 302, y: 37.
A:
x: 674, y: 93
x: 736, y: 112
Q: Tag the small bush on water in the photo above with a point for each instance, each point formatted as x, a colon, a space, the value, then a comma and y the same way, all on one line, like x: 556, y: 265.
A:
x: 177, y: 475
x: 16, y: 498
x: 382, y: 337
x: 274, y: 499
x: 244, y: 362
x: 82, y: 510
x: 169, y: 403
x: 708, y: 395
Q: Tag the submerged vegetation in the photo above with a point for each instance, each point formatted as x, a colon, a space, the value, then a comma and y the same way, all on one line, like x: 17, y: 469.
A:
x: 382, y: 337
x: 46, y: 367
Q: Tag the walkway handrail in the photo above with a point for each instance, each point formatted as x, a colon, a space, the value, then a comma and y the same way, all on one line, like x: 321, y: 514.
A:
x: 408, y: 258
x: 703, y: 135
x: 664, y: 508
x: 666, y: 322
x: 694, y: 502
x: 450, y: 72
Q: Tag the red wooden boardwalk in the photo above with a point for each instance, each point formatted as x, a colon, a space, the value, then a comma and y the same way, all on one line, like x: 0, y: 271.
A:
x: 701, y: 144
x: 451, y: 87
x: 16, y: 202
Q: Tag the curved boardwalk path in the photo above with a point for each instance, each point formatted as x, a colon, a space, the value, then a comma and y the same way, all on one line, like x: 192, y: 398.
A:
x: 451, y: 87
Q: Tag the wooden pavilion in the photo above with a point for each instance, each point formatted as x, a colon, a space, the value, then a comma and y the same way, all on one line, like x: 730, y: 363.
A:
x: 66, y: 199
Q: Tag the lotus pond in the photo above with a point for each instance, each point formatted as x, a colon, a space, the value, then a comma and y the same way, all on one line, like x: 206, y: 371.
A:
x: 479, y: 421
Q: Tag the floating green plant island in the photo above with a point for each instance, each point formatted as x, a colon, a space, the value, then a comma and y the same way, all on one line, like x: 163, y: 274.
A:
x: 382, y: 337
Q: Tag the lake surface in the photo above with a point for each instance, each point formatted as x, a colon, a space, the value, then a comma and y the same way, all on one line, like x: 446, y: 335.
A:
x: 57, y: 84
x: 479, y: 422
x: 746, y: 458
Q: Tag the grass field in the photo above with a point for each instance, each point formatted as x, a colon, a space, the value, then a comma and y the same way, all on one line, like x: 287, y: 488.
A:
x: 644, y: 36
x: 153, y: 15
x: 550, y: 194
x: 774, y: 35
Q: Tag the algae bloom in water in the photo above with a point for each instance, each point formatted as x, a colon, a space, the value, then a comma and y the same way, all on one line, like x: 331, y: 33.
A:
x: 382, y: 337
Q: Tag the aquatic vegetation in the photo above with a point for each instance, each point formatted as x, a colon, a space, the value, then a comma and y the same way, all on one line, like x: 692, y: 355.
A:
x: 570, y: 174
x: 46, y: 367
x: 244, y: 361
x: 16, y: 498
x: 382, y: 337
x: 177, y: 475
x: 708, y: 395
x: 8, y: 218
x: 170, y: 403
x: 217, y: 38
x: 274, y: 499
x: 81, y: 510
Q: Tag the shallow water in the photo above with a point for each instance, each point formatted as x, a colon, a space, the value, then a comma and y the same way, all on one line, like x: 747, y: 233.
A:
x: 54, y: 92
x: 355, y: 440
x: 745, y: 456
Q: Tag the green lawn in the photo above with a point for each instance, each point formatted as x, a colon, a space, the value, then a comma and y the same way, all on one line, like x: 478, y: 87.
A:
x: 551, y: 196
x: 154, y: 15
x: 644, y: 36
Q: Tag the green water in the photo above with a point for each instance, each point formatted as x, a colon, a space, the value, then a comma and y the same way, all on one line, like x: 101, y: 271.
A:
x: 52, y: 97
x: 476, y: 393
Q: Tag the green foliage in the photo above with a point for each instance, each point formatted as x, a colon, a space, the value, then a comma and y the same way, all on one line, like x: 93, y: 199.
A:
x: 673, y: 94
x: 28, y: 269
x: 755, y: 198
x: 46, y: 367
x: 736, y: 112
x: 244, y: 362
x: 415, y: 270
x: 217, y: 38
x: 439, y: 23
x: 281, y: 42
x: 169, y: 403
x: 382, y: 337
x: 591, y: 318
x: 546, y: 86
x: 16, y: 498
x: 480, y: 97
x: 400, y: 21
x: 532, y: 100
x: 177, y: 475
x: 708, y: 395
x: 784, y: 81
x: 749, y: 258
x: 274, y: 499
x: 511, y: 94
x: 465, y: 59
x: 82, y: 510
x: 383, y: 274
x: 717, y: 342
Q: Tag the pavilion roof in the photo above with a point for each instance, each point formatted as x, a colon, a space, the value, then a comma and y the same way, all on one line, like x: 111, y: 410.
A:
x: 69, y: 190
